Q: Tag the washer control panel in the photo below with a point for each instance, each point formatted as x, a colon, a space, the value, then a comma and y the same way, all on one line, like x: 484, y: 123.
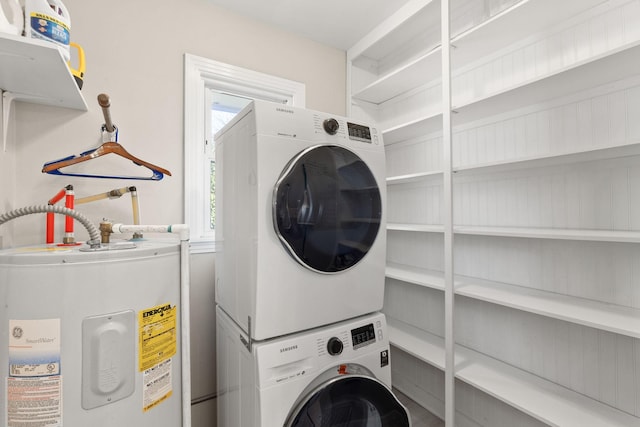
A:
x: 343, y: 342
x: 363, y: 335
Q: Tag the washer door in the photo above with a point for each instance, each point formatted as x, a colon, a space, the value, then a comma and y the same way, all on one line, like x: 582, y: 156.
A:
x: 350, y: 401
x: 327, y: 208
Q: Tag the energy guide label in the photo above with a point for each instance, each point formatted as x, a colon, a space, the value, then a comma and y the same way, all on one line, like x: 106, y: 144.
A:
x: 157, y: 337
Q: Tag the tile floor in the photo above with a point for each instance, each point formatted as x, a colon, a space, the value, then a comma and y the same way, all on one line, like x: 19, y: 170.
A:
x: 420, y: 417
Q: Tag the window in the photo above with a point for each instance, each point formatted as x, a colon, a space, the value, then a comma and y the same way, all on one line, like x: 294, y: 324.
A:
x: 214, y: 93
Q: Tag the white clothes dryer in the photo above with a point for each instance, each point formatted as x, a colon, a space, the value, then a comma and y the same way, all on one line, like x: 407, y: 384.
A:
x: 337, y: 375
x: 300, y: 227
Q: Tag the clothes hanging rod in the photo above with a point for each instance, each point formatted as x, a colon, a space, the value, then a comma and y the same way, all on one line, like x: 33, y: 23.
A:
x: 105, y: 104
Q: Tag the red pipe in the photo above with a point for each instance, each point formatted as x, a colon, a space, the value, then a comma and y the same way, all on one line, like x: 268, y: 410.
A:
x: 68, y: 203
x: 50, y: 216
x: 49, y: 228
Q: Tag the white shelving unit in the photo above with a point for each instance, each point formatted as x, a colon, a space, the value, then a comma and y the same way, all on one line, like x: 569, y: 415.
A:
x: 34, y: 71
x: 546, y: 164
x: 543, y: 400
x: 620, y: 151
x: 611, y: 66
x: 555, y: 234
x: 415, y: 227
x: 595, y: 314
x: 582, y: 311
x: 418, y: 276
x: 402, y: 179
x: 424, y: 125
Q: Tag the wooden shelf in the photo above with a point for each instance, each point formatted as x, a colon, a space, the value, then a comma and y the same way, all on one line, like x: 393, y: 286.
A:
x: 505, y: 28
x: 417, y: 276
x: 628, y: 149
x: 612, y: 236
x: 399, y: 30
x: 512, y: 25
x: 596, y: 71
x: 412, y: 177
x: 614, y: 65
x: 421, y: 228
x: 594, y: 314
x: 423, y: 126
x: 426, y: 68
x: 546, y: 401
x: 420, y: 344
x: 552, y: 233
x: 34, y: 71
x: 631, y: 148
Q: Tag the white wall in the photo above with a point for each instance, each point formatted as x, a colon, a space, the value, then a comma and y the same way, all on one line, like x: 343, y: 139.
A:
x: 135, y: 54
x: 7, y: 187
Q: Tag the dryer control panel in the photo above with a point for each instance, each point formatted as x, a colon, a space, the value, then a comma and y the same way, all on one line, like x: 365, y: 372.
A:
x: 359, y: 132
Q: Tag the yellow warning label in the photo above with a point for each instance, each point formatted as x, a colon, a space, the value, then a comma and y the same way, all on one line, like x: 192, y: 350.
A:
x: 157, y: 335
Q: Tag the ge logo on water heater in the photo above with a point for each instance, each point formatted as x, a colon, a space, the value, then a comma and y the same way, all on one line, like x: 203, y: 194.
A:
x: 17, y: 332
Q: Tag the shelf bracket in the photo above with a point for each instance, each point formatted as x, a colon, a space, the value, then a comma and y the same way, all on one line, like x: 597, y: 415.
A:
x: 7, y: 100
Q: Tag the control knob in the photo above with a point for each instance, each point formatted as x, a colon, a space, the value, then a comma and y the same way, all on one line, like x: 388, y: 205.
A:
x: 334, y: 346
x: 331, y: 126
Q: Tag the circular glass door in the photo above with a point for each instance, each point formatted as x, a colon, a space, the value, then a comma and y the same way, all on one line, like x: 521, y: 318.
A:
x: 327, y: 208
x: 351, y: 401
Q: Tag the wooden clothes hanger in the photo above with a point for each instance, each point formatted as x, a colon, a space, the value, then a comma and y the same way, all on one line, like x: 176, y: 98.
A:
x: 54, y: 167
x: 106, y: 148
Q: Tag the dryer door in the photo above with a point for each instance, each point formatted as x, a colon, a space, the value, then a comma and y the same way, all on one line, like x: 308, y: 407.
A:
x: 350, y: 401
x: 327, y: 208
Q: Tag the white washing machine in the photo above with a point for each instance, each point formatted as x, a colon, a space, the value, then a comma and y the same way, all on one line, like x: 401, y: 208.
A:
x: 337, y: 375
x: 300, y: 227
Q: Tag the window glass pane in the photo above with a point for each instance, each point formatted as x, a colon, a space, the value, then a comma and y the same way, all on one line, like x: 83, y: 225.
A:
x: 224, y: 108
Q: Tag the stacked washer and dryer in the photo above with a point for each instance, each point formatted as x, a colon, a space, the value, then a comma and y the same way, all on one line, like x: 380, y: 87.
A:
x: 300, y: 255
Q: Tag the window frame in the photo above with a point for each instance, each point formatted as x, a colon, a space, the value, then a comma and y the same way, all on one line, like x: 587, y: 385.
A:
x: 201, y: 76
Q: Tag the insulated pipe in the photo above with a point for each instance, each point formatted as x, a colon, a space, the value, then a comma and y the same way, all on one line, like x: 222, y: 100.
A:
x: 113, y: 194
x: 183, y: 232
x: 135, y: 205
x: 94, y: 234
x: 93, y: 198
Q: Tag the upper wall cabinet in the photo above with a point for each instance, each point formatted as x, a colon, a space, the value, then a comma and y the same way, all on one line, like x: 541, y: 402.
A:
x: 546, y: 213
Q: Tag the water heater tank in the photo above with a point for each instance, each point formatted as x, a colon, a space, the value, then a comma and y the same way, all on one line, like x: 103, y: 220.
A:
x: 91, y: 338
